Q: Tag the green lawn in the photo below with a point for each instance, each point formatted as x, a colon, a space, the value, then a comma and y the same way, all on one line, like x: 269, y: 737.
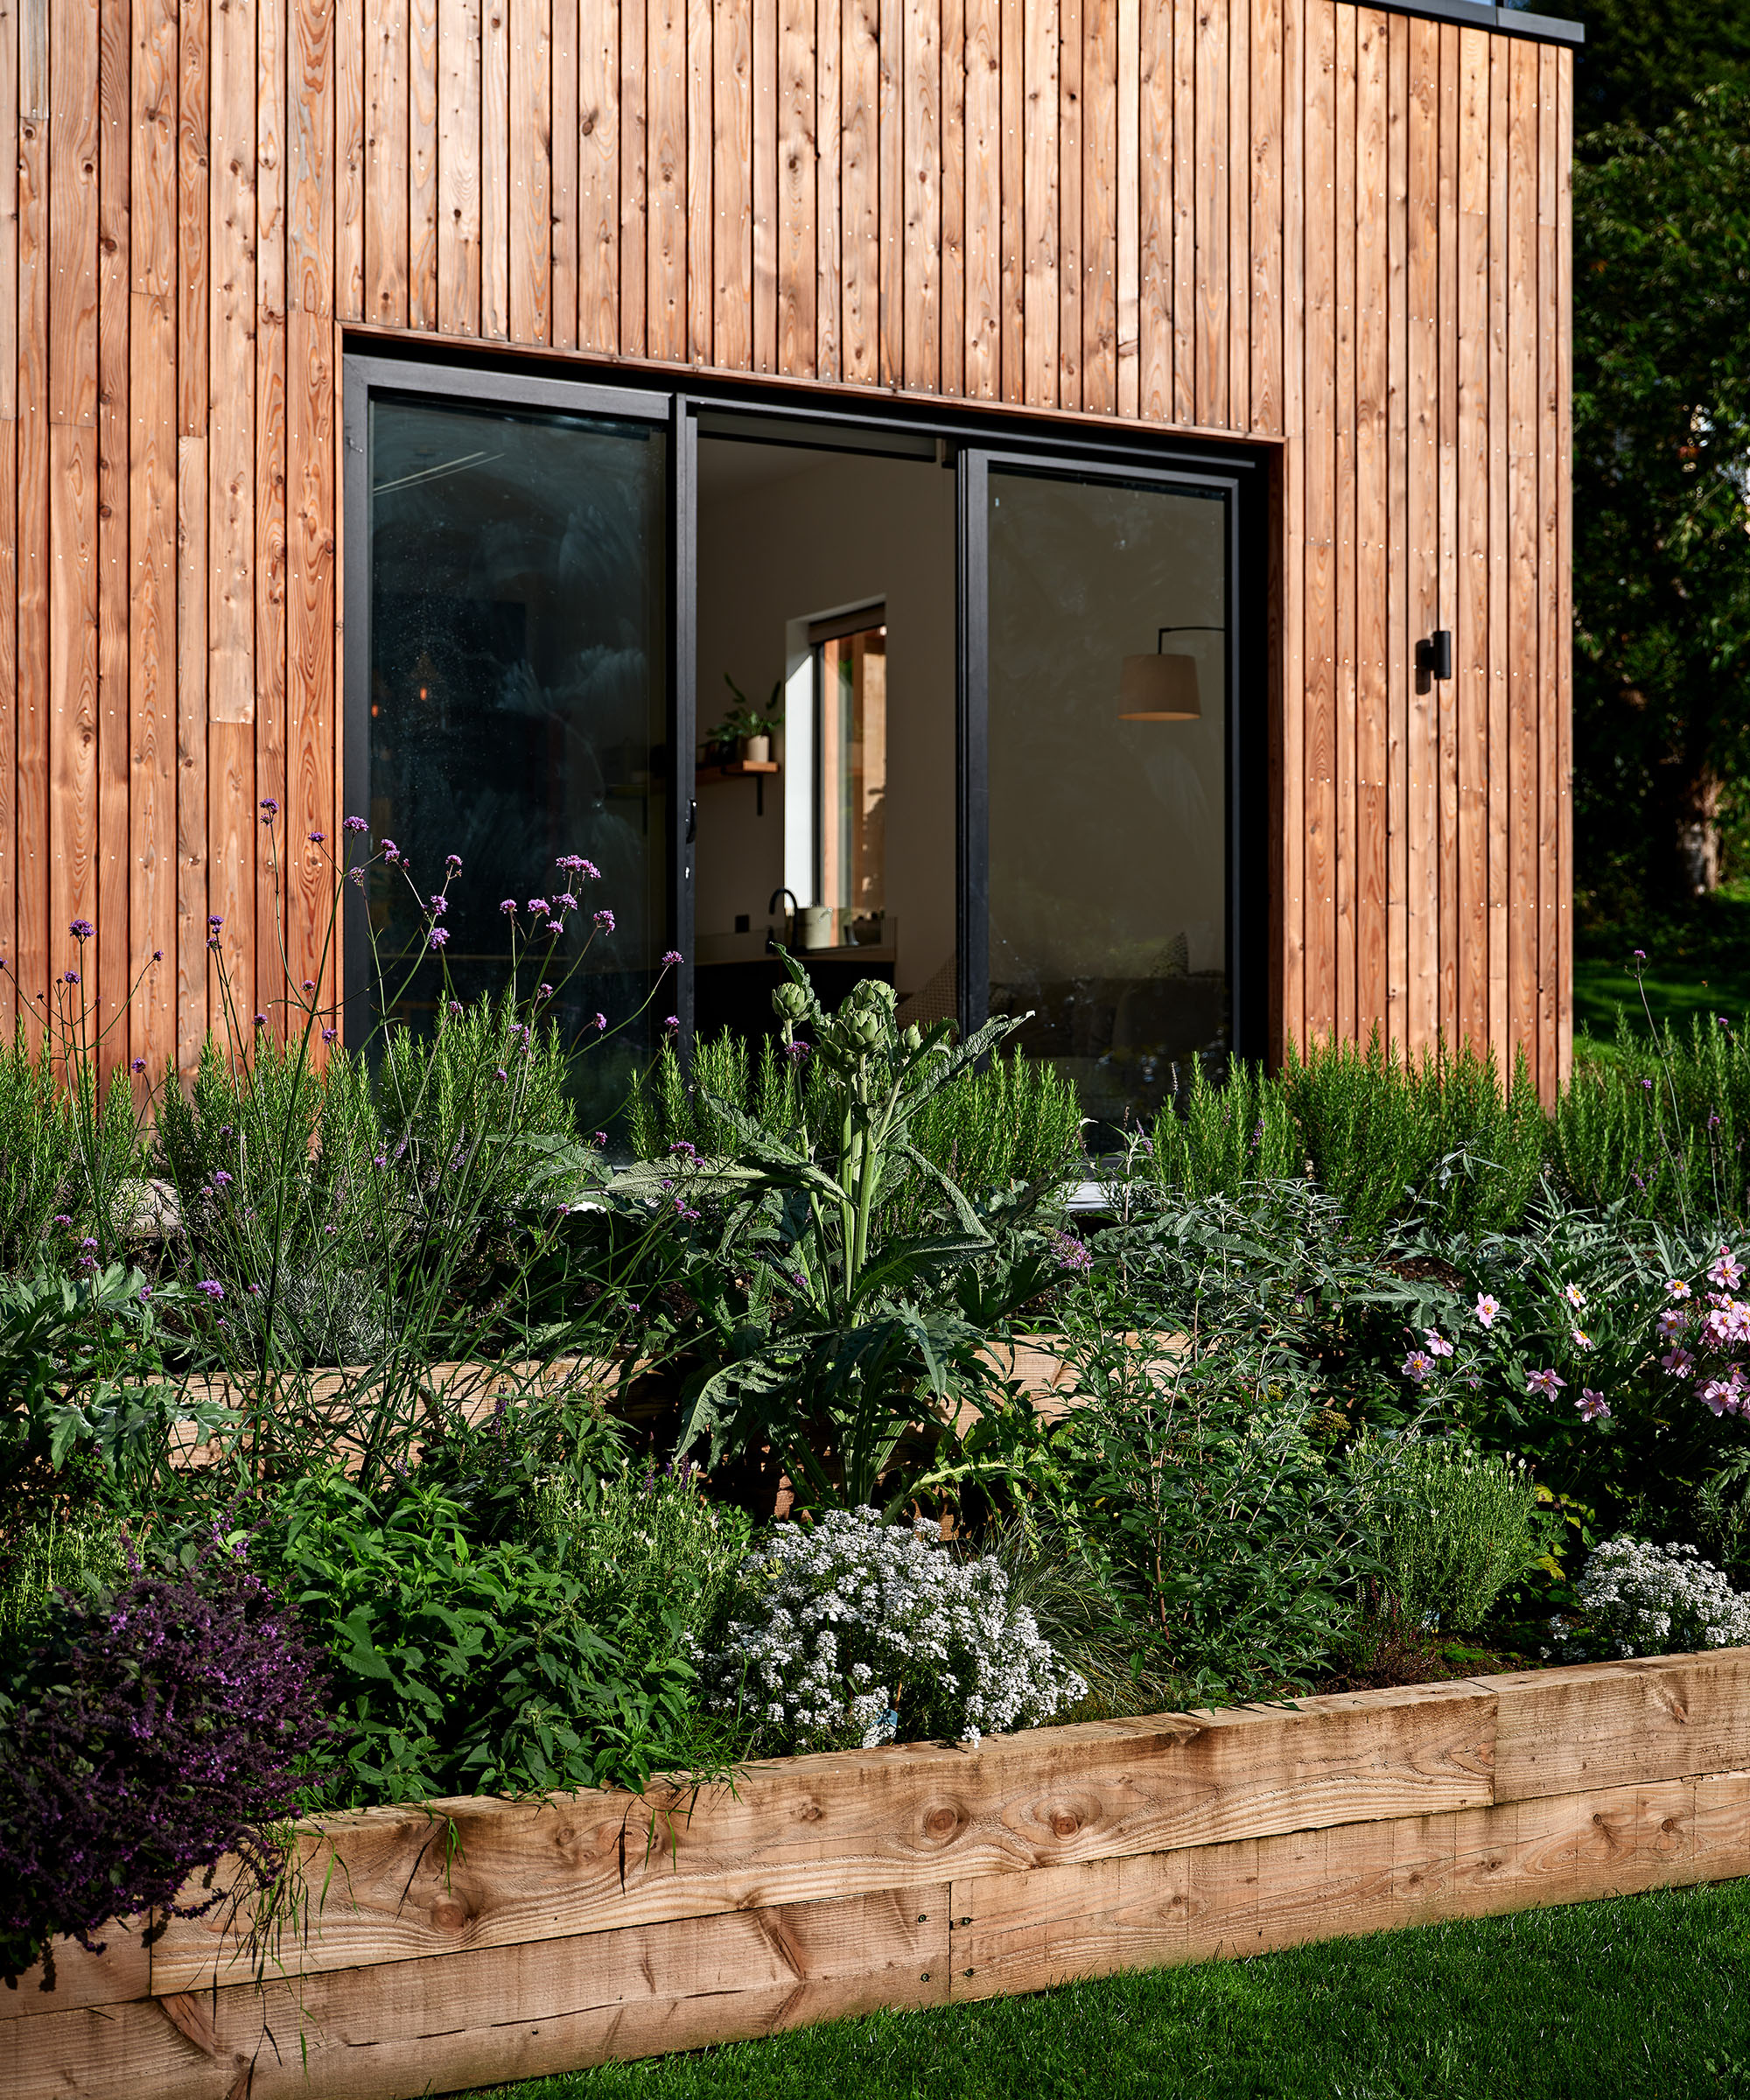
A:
x: 1647, y: 1996
x: 1699, y: 963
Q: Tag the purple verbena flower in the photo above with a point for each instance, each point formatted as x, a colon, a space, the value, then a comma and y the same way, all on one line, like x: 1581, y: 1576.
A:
x: 605, y: 920
x: 210, y: 1289
x: 436, y: 938
x: 355, y: 824
x: 81, y: 929
x: 671, y: 958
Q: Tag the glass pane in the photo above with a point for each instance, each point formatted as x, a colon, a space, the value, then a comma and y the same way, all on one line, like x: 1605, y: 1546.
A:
x: 853, y: 760
x: 1108, y: 836
x: 519, y: 566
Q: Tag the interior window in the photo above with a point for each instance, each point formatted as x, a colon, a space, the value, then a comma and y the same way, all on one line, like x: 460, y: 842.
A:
x: 850, y: 771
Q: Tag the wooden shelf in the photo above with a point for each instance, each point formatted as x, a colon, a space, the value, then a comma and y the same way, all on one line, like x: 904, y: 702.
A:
x: 737, y: 769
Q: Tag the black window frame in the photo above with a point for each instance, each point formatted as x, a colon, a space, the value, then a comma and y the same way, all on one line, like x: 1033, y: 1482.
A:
x: 965, y: 438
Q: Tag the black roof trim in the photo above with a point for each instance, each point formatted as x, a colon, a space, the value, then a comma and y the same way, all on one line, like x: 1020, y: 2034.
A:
x: 1477, y: 14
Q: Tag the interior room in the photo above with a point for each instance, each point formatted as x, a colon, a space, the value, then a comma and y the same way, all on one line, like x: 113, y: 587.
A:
x: 826, y: 599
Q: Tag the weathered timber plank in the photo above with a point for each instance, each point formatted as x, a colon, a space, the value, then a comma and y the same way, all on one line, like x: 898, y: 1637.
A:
x: 497, y: 173
x: 568, y: 142
x: 1669, y: 1717
x: 922, y: 195
x: 459, y: 166
x: 1099, y: 206
x: 765, y: 49
x: 422, y: 166
x: 1319, y: 540
x: 119, y: 830
x: 796, y: 159
x: 30, y: 957
x: 386, y: 162
x: 530, y: 203
x: 1155, y: 218
x: 122, y: 1971
x: 702, y: 140
x: 598, y: 149
x: 732, y: 193
x: 1069, y: 208
x: 500, y: 2015
x: 859, y: 177
x: 1027, y: 1931
x: 983, y: 119
x: 1010, y: 178
x: 810, y: 1828
x: 828, y: 151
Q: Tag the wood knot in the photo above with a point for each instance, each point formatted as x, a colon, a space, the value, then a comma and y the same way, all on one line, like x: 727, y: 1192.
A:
x: 449, y: 1915
x: 1064, y: 1822
x: 941, y: 1822
x: 807, y: 1811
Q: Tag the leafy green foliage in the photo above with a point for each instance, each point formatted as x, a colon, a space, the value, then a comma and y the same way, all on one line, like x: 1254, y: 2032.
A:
x: 844, y: 1352
x: 461, y: 1665
x: 1450, y: 1526
x: 1662, y: 450
x: 1227, y: 1536
x: 1012, y: 1119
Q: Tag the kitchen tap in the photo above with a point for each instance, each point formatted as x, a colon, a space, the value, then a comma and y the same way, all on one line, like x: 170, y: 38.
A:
x: 796, y: 913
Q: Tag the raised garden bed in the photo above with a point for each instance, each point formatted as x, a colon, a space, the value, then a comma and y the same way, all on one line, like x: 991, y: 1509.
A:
x: 483, y: 1941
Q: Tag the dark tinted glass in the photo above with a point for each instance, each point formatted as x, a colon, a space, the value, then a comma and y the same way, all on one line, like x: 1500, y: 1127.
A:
x: 1109, y: 837
x: 517, y: 651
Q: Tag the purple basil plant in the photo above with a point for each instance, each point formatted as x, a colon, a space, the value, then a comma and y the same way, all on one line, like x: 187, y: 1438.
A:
x: 153, y: 1733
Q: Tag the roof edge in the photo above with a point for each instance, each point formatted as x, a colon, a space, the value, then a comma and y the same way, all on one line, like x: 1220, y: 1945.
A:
x: 1479, y: 14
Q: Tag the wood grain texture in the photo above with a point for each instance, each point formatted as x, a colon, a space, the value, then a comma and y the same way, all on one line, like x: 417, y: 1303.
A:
x: 1040, y: 146
x: 665, y: 256
x: 983, y: 129
x: 598, y: 170
x: 270, y: 866
x: 765, y: 185
x: 922, y: 192
x: 459, y: 166
x: 1210, y: 179
x: 1129, y: 204
x: 1011, y: 199
x: 859, y: 190
x: 1373, y: 548
x: 497, y: 174
x: 387, y: 162
x: 550, y: 2005
x: 193, y: 575
x: 348, y: 152
x: 1318, y: 551
x: 703, y: 145
x: 530, y: 181
x: 892, y: 22
x: 148, y: 635
x: 890, y: 1819
x: 1154, y: 271
x: 797, y: 155
x: 113, y: 870
x: 567, y: 145
x: 1271, y: 43
x: 1100, y: 205
x: 30, y: 960
x: 422, y: 163
x: 732, y: 193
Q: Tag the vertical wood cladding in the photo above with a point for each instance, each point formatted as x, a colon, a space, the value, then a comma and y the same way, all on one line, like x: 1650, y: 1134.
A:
x: 1335, y: 229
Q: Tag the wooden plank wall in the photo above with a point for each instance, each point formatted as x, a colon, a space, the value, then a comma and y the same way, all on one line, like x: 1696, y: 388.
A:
x: 1335, y: 229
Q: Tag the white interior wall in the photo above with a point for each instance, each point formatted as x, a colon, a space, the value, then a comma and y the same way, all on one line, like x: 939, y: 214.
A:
x: 846, y: 530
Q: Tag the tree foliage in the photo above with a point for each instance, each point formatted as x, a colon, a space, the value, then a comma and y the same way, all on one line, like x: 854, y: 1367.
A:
x: 1662, y: 472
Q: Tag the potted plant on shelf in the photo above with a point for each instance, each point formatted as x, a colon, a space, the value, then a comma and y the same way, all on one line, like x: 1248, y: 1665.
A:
x: 746, y: 731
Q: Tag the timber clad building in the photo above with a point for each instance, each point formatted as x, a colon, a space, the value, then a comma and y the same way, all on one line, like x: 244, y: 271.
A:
x: 1118, y: 449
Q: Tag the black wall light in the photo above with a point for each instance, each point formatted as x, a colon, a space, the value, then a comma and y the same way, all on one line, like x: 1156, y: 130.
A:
x: 1434, y: 655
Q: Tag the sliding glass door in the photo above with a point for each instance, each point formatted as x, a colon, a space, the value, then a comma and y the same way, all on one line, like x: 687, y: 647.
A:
x: 1099, y: 716
x: 517, y: 584
x: 1049, y: 820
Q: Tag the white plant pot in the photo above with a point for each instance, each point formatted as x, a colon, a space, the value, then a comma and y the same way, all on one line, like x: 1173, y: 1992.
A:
x: 756, y: 750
